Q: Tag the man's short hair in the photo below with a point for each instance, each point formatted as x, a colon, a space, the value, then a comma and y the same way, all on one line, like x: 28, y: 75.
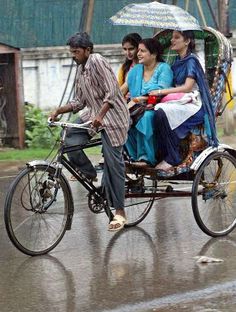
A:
x: 80, y: 40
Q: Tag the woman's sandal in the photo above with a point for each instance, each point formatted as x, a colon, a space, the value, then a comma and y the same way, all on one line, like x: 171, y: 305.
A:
x: 166, y: 173
x: 175, y: 170
x: 117, y: 220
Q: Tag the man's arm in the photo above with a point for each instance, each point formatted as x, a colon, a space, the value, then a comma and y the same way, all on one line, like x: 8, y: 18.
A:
x: 61, y: 110
x: 97, y: 121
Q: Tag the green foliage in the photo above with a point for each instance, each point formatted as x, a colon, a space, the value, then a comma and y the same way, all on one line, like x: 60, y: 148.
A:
x: 37, y: 133
x: 11, y: 154
x: 26, y: 154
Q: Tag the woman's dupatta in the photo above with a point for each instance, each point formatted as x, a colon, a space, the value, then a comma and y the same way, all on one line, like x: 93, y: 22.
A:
x: 180, y: 67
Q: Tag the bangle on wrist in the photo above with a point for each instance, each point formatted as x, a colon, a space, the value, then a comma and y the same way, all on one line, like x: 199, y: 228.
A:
x: 159, y: 92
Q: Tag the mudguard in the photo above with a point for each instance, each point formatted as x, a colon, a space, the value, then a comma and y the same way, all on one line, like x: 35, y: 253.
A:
x: 40, y: 162
x: 210, y: 150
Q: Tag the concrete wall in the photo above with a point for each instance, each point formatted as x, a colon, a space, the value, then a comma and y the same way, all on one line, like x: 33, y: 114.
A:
x: 233, y: 42
x: 46, y: 70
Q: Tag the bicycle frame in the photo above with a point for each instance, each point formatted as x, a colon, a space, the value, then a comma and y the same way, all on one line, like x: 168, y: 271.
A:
x: 88, y: 185
x: 63, y: 161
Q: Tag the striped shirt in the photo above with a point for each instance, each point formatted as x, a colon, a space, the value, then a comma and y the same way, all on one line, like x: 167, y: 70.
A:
x: 96, y: 84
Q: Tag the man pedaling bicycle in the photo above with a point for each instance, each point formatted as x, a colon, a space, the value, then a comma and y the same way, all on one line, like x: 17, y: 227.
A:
x: 97, y: 90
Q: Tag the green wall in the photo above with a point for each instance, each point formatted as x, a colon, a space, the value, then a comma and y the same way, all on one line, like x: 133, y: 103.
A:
x: 38, y: 23
x: 31, y: 23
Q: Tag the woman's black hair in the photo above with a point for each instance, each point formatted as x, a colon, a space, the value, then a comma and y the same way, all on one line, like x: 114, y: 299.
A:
x: 133, y: 39
x: 154, y: 47
x: 189, y: 34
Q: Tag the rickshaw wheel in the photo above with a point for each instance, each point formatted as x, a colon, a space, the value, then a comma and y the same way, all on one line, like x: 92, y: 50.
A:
x: 214, y: 194
x: 137, y: 207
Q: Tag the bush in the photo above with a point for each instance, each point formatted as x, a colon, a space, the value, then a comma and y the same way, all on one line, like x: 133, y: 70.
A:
x: 37, y: 134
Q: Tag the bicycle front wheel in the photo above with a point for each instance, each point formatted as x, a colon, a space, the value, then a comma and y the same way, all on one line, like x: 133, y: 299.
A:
x: 214, y: 195
x: 38, y: 210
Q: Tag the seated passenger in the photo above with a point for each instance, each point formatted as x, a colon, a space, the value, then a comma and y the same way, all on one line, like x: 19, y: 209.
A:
x: 130, y: 48
x: 174, y: 120
x: 150, y: 74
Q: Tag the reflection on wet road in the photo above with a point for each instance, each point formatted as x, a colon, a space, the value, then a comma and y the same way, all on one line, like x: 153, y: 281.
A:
x: 146, y: 268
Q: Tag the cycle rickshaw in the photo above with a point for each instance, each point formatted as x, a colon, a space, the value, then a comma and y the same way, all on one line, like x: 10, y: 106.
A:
x: 39, y: 204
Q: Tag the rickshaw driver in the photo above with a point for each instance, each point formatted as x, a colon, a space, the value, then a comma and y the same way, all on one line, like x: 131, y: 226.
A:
x: 97, y: 89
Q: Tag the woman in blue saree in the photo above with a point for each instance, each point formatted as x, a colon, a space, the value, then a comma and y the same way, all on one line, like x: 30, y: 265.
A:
x: 174, y: 120
x: 150, y: 74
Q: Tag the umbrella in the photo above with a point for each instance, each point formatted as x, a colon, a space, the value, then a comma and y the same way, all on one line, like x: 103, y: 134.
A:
x: 157, y: 15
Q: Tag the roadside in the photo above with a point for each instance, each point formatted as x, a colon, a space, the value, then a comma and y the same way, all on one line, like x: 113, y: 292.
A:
x: 12, y: 167
x: 230, y: 140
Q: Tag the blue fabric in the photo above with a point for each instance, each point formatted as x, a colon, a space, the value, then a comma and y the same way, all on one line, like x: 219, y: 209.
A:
x: 190, y: 66
x: 162, y: 78
x: 141, y: 143
x: 168, y: 140
x: 183, y: 130
x: 134, y: 80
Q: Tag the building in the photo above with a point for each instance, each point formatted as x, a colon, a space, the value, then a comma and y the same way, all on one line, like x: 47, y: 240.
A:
x: 11, y: 97
x: 41, y: 27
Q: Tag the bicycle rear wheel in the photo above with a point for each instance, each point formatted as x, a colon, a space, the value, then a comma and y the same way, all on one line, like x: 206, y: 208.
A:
x: 38, y: 210
x: 214, y: 195
x: 137, y: 201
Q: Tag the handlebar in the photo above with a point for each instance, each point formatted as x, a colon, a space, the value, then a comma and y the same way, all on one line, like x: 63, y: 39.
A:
x: 86, y: 125
x: 63, y: 124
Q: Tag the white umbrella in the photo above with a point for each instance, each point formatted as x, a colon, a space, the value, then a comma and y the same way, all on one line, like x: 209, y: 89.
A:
x: 157, y: 15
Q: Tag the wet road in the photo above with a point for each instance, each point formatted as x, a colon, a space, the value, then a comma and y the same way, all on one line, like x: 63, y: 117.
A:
x: 147, y: 268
